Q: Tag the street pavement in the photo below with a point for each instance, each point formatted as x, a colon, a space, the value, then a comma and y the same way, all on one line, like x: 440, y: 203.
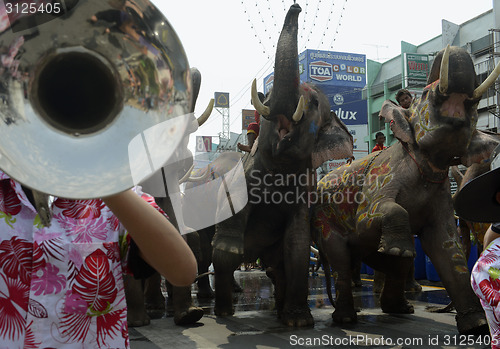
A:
x: 255, y: 325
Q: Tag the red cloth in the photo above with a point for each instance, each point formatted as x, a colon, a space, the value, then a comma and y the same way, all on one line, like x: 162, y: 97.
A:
x: 378, y: 147
x: 254, y: 127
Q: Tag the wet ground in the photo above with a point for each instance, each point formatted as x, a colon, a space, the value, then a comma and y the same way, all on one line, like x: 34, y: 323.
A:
x: 255, y: 325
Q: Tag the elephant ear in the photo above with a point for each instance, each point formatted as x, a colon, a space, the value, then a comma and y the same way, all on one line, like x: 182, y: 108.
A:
x: 398, y: 118
x: 480, y: 147
x: 334, y: 142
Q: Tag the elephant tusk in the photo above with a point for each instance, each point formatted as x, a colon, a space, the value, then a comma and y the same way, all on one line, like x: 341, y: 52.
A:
x: 443, y: 74
x: 201, y: 178
x: 297, y: 116
x: 490, y: 80
x: 257, y: 104
x: 186, y: 175
x: 314, y: 250
x: 206, y: 114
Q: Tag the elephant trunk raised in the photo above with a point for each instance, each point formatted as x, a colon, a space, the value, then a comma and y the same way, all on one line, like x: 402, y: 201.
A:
x: 286, y: 72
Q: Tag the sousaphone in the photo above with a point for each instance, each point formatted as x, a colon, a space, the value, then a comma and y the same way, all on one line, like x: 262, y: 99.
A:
x: 93, y: 98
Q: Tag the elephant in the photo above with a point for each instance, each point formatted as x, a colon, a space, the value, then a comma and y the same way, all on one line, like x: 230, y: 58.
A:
x: 371, y: 208
x: 200, y: 191
x: 298, y: 132
x: 144, y: 297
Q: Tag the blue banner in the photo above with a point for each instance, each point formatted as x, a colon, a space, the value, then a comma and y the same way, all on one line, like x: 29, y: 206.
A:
x: 333, y: 68
x: 347, y: 103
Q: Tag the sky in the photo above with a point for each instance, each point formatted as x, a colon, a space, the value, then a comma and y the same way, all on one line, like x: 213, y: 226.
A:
x: 232, y: 42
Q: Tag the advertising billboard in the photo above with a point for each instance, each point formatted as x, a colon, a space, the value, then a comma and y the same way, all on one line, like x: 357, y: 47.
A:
x: 268, y: 83
x: 247, y: 117
x: 347, y: 103
x: 221, y: 99
x: 416, y: 69
x: 340, y: 76
x: 333, y: 68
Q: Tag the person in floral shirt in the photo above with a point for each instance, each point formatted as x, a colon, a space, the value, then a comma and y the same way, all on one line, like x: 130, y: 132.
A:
x: 479, y: 201
x: 61, y: 285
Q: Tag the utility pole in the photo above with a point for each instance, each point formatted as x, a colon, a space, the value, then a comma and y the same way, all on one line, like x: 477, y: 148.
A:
x: 222, y: 106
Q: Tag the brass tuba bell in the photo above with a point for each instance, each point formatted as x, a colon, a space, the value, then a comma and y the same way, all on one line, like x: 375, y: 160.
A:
x: 93, y: 98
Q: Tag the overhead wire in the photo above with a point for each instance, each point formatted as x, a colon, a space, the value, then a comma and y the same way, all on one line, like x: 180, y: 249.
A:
x: 270, y: 31
x: 338, y: 25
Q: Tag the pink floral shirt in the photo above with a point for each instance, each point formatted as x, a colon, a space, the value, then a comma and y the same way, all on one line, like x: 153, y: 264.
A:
x: 485, y: 280
x: 61, y: 286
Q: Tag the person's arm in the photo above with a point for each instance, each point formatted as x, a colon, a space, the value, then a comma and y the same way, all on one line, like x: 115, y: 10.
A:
x: 491, y: 234
x: 244, y: 147
x: 160, y: 244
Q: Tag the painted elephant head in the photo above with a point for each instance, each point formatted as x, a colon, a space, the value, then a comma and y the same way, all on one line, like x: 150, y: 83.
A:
x: 441, y: 124
x: 298, y: 126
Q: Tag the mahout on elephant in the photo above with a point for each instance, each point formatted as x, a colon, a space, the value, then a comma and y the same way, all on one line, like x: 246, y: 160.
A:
x: 402, y: 191
x: 297, y: 134
x: 144, y: 296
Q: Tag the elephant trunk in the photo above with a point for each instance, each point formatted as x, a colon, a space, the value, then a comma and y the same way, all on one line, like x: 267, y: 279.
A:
x: 285, y: 94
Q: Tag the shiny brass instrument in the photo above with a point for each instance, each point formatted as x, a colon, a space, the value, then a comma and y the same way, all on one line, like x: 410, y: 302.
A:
x: 93, y: 99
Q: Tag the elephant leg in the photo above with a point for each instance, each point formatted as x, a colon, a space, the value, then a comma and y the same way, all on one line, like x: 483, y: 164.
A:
x: 441, y: 243
x: 396, y: 238
x: 134, y: 294
x: 296, y: 255
x: 170, y: 297
x: 356, y: 274
x: 277, y: 276
x: 204, y: 289
x: 236, y: 286
x: 378, y: 281
x: 153, y: 297
x: 392, y: 298
x: 411, y: 285
x: 184, y: 311
x: 227, y: 256
x: 224, y: 265
x: 338, y: 255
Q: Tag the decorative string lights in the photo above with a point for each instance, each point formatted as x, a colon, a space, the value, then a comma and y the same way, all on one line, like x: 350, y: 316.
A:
x: 319, y: 23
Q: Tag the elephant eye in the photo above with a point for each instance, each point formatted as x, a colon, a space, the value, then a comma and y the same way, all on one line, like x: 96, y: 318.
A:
x: 314, y: 101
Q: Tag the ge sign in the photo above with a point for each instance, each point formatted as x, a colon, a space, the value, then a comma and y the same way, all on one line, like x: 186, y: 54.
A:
x: 203, y: 144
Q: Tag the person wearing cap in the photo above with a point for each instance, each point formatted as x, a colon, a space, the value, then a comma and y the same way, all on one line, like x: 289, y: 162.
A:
x: 479, y: 201
x: 252, y: 130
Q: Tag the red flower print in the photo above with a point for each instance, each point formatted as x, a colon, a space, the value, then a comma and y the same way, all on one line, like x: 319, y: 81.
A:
x: 95, y: 282
x: 490, y: 288
x: 113, y: 222
x: 16, y: 259
x: 151, y: 200
x: 112, y: 251
x: 29, y: 339
x: 80, y: 209
x: 109, y: 324
x: 47, y: 280
x: 11, y: 320
x: 92, y: 297
x: 37, y: 309
x: 9, y: 202
x: 84, y: 230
